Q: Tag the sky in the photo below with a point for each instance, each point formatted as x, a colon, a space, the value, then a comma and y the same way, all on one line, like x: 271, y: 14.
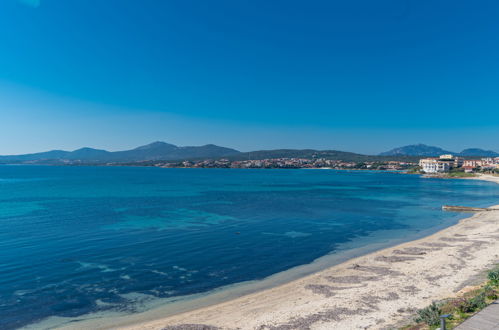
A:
x: 363, y: 76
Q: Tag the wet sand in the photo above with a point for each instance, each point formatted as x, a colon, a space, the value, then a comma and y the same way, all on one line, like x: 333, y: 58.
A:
x: 375, y: 291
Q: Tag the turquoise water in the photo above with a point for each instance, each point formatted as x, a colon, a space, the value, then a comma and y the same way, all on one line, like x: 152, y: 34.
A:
x: 77, y: 240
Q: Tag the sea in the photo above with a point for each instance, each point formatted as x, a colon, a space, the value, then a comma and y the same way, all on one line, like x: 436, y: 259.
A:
x: 83, y: 240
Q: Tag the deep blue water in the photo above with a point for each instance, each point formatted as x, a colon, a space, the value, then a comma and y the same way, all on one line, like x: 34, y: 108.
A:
x: 75, y: 240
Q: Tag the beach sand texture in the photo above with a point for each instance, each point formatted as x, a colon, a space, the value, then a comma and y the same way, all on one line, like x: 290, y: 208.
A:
x: 376, y: 291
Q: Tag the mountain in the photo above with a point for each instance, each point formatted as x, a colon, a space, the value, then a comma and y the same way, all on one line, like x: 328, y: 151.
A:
x: 166, y: 151
x: 416, y: 150
x: 478, y: 152
x: 295, y: 153
x: 428, y: 151
x: 153, y: 151
x: 53, y: 154
x: 87, y: 154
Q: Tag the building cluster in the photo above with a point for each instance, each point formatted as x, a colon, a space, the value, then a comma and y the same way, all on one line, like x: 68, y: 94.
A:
x: 489, y: 163
x: 290, y: 163
x: 445, y: 163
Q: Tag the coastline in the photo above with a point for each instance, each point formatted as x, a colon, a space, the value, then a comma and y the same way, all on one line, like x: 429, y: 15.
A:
x: 384, y: 286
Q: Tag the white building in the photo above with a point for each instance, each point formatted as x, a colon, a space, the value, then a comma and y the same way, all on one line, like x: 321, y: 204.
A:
x: 433, y: 165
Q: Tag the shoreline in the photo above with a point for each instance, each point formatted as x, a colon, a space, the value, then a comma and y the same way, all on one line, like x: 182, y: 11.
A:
x: 321, y: 299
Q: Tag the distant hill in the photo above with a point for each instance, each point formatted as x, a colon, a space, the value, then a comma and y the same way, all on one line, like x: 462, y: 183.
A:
x: 428, y: 151
x: 160, y: 151
x: 294, y: 153
x: 150, y: 152
x: 53, y: 154
x: 311, y: 153
x: 166, y: 151
x: 479, y: 152
x: 416, y: 150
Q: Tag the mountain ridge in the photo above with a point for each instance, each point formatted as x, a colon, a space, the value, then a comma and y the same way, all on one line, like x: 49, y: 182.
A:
x: 428, y: 151
x: 159, y: 151
x: 154, y: 151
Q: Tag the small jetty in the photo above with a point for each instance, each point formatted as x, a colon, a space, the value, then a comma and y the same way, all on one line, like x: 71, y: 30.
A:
x: 454, y: 208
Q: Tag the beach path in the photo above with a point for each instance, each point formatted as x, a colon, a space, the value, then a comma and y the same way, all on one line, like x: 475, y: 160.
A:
x: 487, y: 319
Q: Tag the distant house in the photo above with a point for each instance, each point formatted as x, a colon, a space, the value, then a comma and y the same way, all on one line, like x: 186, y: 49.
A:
x: 473, y: 162
x: 470, y: 164
x: 453, y: 160
x: 488, y: 163
x: 458, y: 162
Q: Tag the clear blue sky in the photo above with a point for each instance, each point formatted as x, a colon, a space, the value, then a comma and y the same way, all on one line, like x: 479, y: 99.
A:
x: 353, y: 75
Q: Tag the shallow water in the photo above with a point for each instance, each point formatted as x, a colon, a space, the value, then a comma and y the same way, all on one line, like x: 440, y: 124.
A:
x: 79, y: 240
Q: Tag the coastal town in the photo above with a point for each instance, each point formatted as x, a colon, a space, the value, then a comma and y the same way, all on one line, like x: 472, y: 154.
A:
x: 434, y: 165
x: 291, y: 163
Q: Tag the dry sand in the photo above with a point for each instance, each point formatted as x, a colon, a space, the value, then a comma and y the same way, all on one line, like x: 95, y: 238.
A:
x: 376, y: 291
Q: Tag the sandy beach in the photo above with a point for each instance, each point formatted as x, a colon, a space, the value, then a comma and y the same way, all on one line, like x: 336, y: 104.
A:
x: 376, y: 291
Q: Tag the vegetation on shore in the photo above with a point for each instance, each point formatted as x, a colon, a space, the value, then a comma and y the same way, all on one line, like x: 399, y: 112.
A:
x: 453, y: 173
x: 459, y: 308
x: 415, y: 170
x: 459, y: 173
